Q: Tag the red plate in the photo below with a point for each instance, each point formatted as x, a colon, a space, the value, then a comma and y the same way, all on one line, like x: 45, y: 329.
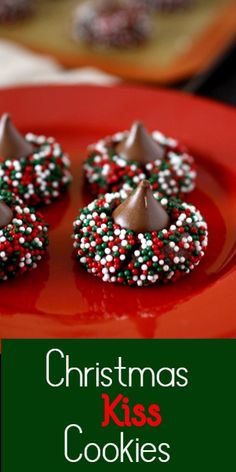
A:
x: 59, y: 299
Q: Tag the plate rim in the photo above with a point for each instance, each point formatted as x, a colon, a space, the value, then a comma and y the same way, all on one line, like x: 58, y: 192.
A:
x: 223, y: 282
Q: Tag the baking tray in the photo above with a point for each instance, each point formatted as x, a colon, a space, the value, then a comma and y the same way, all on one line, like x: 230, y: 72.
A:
x: 183, y: 44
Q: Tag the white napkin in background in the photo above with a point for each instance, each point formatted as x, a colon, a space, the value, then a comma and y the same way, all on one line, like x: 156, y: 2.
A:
x: 18, y: 66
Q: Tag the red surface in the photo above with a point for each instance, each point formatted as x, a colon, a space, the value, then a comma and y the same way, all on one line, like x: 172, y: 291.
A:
x: 59, y: 299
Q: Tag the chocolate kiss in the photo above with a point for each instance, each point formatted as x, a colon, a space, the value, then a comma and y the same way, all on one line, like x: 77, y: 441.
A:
x: 140, y: 146
x: 12, y: 144
x: 6, y: 214
x: 141, y: 212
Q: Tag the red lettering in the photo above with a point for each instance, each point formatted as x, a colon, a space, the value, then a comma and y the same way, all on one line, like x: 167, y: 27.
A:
x: 122, y: 417
x: 154, y: 411
x: 139, y: 412
x: 109, y: 410
x: 126, y: 410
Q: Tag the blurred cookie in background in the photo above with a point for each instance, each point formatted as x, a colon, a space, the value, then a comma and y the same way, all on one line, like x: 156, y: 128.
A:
x: 110, y: 23
x: 166, y: 5
x: 15, y: 10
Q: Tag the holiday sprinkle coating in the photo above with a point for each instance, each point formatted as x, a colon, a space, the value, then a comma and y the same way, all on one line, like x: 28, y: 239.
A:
x: 106, y: 171
x: 23, y: 242
x: 115, y: 254
x: 40, y: 177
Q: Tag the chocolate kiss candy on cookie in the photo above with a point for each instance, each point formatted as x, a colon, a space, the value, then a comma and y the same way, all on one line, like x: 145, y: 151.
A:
x: 12, y: 144
x: 141, y: 212
x: 140, y: 146
x: 6, y: 215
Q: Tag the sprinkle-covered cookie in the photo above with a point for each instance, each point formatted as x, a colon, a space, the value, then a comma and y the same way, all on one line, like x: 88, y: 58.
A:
x: 123, y: 160
x: 142, y: 240
x: 23, y: 237
x: 32, y: 167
